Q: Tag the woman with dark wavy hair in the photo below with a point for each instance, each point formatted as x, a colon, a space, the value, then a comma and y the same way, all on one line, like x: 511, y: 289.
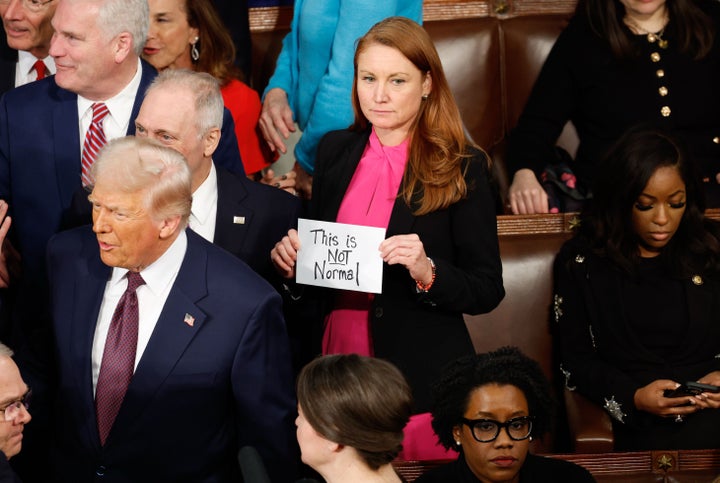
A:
x: 637, y: 294
x: 352, y: 411
x: 488, y: 407
x: 619, y: 63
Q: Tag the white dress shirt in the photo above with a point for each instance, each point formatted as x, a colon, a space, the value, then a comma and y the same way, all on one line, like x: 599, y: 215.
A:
x: 159, y: 278
x: 119, y: 107
x: 25, y: 68
x: 204, y: 207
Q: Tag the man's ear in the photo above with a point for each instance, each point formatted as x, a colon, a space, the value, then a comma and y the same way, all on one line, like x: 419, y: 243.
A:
x: 211, y: 141
x: 169, y: 227
x: 123, y: 46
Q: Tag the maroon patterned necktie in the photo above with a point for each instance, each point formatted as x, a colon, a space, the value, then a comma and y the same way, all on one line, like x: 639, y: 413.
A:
x: 94, y: 140
x: 40, y: 68
x: 118, y: 360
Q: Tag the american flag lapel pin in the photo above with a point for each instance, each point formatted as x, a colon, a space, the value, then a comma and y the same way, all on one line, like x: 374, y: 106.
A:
x: 239, y: 220
x: 189, y: 320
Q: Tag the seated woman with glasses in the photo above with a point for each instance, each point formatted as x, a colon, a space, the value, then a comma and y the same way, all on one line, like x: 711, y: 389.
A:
x: 352, y: 411
x: 487, y: 407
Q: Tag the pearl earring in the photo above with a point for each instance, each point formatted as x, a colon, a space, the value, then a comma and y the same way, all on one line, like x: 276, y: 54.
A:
x: 458, y: 443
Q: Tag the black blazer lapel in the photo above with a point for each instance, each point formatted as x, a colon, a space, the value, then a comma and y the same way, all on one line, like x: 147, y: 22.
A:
x: 338, y: 174
x: 401, y: 219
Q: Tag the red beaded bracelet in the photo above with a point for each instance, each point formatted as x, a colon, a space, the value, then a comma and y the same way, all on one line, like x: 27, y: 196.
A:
x: 425, y: 287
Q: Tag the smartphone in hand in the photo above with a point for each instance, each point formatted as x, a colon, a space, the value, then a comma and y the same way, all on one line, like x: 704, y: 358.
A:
x: 691, y: 388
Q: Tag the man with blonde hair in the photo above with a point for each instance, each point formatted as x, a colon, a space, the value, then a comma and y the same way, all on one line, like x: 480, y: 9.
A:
x: 172, y: 353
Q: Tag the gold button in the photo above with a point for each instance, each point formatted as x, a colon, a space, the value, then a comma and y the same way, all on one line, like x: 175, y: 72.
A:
x: 655, y: 57
x: 663, y: 91
x: 697, y: 280
x: 716, y: 140
x: 665, y: 111
x: 651, y: 37
x: 660, y: 73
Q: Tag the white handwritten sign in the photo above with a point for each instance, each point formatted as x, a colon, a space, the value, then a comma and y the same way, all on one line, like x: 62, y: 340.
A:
x: 338, y: 255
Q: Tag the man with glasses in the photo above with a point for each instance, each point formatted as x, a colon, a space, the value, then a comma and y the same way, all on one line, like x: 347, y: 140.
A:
x: 14, y: 415
x: 24, y: 51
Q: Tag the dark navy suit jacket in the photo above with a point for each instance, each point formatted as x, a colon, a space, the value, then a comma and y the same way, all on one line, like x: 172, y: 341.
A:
x: 251, y: 218
x: 199, y: 392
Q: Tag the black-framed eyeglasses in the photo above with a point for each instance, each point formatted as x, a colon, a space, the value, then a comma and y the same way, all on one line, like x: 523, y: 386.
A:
x: 32, y: 5
x: 487, y: 430
x: 12, y: 410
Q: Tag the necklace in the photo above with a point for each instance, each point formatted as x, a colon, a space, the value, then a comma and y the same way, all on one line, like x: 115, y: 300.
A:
x: 652, y: 37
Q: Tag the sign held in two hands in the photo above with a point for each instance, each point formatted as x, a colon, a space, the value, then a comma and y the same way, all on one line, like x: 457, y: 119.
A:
x: 338, y: 255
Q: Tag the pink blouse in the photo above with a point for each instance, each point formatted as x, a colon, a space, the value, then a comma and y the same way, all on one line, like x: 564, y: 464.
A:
x: 368, y: 201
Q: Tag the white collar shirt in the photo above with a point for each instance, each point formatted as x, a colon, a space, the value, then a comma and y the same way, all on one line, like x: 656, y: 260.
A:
x: 159, y: 278
x: 204, y: 207
x: 119, y: 107
x: 25, y: 68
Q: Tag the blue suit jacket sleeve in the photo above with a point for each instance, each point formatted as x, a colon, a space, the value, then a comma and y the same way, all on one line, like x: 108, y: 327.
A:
x: 262, y: 385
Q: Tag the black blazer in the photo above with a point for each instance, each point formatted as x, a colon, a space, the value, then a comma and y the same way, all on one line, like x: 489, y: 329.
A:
x: 421, y: 332
x: 606, y: 359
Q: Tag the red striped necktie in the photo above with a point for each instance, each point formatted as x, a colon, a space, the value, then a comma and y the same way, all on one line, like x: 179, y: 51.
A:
x: 94, y: 140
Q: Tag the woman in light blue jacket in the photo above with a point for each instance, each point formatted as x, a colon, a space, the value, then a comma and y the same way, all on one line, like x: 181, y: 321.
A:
x: 314, y: 74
